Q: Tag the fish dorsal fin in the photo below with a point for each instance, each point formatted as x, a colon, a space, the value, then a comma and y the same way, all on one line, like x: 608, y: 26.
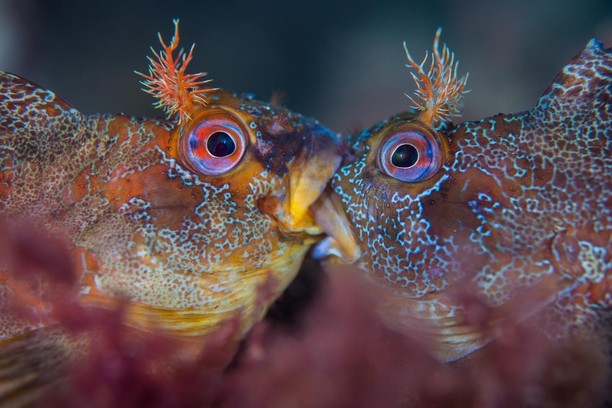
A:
x: 22, y: 100
x: 582, y: 88
x: 40, y: 135
x: 33, y: 120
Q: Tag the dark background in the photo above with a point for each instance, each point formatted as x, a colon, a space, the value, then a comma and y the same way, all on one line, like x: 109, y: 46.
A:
x: 340, y: 62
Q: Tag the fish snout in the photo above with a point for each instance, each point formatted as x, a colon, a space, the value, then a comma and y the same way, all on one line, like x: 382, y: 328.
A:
x: 308, y: 175
x: 340, y: 241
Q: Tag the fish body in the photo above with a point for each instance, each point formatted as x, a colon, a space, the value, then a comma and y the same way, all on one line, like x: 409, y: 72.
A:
x: 188, y: 222
x: 515, y: 209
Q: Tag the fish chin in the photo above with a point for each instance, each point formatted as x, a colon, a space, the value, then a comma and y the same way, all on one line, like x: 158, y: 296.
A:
x: 244, y: 294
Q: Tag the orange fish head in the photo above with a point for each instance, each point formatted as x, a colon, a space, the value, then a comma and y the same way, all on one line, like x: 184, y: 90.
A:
x: 192, y: 220
x: 206, y: 218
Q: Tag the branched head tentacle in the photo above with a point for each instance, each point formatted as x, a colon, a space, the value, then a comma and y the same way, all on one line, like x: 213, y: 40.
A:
x: 439, y: 89
x: 176, y: 92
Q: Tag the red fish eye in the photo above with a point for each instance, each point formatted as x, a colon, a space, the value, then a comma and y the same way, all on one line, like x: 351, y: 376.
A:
x: 214, y: 146
x: 410, y: 156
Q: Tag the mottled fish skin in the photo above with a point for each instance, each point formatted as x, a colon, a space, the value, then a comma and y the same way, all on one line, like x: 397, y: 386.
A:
x: 143, y: 225
x: 185, y: 226
x: 522, y: 202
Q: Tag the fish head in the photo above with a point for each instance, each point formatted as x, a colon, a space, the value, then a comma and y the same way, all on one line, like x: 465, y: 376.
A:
x: 191, y: 220
x: 510, y: 207
x: 215, y: 214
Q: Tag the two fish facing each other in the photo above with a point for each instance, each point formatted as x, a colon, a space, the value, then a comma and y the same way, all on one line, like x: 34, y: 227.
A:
x: 422, y: 206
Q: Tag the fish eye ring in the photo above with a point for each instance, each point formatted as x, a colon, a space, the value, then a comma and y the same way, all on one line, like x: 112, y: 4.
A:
x: 215, y: 145
x: 410, y: 155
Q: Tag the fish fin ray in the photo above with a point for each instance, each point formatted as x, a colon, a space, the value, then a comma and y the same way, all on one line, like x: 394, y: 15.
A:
x: 30, y: 363
x: 582, y: 87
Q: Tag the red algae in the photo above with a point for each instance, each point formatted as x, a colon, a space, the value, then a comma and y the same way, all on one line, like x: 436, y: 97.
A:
x: 332, y: 351
x: 341, y: 356
x: 344, y: 355
x: 132, y: 368
x: 102, y: 361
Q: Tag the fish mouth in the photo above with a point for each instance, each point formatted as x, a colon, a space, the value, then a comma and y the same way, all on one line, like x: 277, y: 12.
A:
x: 340, y: 240
x: 309, y: 174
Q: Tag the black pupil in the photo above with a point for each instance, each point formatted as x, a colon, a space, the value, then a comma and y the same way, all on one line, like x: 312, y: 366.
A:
x: 405, y: 155
x: 220, y: 144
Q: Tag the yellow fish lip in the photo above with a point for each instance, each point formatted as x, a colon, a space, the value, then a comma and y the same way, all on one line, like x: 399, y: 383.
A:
x: 340, y: 241
x: 309, y: 174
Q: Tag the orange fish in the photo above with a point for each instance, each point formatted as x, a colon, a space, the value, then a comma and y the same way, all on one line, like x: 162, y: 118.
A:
x: 191, y: 221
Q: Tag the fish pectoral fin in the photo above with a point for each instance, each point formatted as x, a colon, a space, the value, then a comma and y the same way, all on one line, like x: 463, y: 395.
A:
x: 30, y: 363
x: 470, y: 324
x: 448, y: 339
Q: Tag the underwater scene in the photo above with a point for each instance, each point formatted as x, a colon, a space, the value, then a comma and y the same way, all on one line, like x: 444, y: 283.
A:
x: 237, y: 204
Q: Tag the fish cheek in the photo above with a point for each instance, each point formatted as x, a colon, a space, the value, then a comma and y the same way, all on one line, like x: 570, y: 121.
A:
x: 458, y: 228
x: 469, y: 211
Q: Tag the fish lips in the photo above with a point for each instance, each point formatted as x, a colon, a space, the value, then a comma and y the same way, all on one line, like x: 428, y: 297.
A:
x: 309, y: 173
x: 340, y: 240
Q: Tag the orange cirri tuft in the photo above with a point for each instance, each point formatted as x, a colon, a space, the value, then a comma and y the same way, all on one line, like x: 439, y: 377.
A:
x: 439, y: 89
x: 176, y: 91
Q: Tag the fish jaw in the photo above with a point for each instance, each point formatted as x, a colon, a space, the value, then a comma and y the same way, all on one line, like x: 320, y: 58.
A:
x: 340, y: 241
x: 241, y: 296
x: 309, y: 173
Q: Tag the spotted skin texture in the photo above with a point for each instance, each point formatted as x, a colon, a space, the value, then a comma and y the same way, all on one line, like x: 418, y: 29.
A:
x: 187, y: 250
x: 522, y: 205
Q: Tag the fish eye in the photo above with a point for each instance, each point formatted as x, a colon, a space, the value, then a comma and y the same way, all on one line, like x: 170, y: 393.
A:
x: 220, y: 144
x: 214, y: 146
x: 410, y: 156
x: 405, y: 156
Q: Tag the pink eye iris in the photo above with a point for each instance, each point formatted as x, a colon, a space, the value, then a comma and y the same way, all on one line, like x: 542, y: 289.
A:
x: 214, y: 146
x: 410, y: 156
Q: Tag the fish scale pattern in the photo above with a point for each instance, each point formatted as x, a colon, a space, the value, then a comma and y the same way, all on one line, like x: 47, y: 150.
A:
x: 521, y: 203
